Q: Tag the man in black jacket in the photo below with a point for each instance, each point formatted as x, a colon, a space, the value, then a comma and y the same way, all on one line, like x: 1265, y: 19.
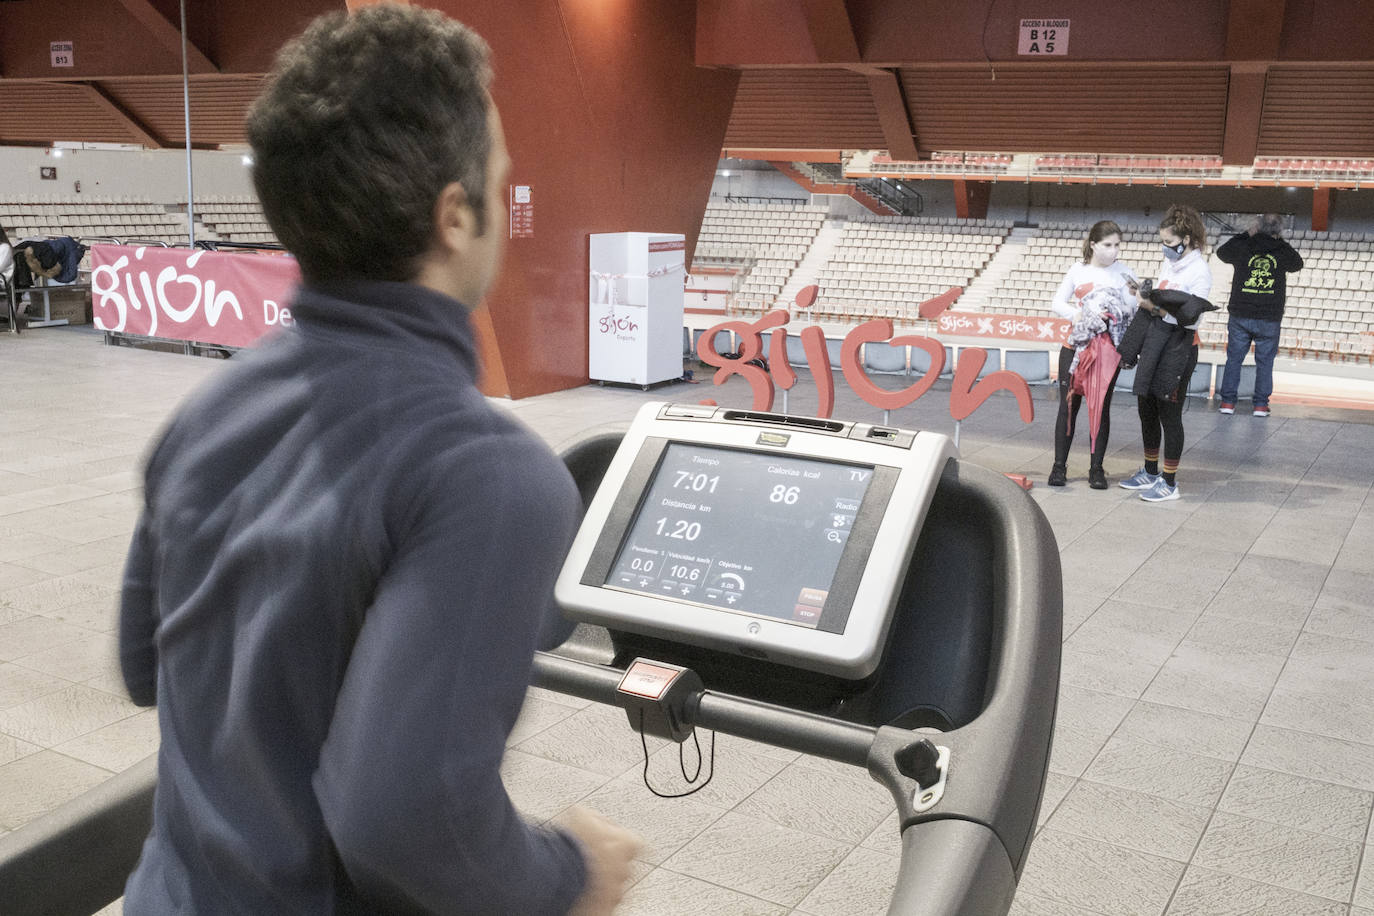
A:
x: 1262, y: 261
x: 346, y: 554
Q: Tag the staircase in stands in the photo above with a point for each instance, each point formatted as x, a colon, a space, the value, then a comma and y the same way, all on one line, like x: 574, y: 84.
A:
x: 817, y: 256
x: 994, y: 275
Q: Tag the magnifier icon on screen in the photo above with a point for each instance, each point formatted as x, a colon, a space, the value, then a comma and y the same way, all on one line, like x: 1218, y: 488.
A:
x: 832, y: 535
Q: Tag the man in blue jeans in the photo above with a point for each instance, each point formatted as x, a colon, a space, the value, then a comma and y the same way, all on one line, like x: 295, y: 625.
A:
x: 1262, y: 261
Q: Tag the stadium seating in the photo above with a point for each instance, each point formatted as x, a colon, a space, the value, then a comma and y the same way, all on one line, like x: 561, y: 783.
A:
x: 125, y: 218
x: 884, y: 267
x: 766, y: 239
x: 86, y: 216
x: 1079, y: 164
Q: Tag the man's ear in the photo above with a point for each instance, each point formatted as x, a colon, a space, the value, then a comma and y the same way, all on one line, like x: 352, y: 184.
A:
x: 455, y: 220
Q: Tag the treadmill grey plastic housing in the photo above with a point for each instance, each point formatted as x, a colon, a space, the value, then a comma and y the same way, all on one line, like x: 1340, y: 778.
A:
x: 971, y: 663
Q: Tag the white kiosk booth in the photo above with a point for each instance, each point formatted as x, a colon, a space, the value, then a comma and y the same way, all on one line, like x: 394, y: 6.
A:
x: 634, y: 327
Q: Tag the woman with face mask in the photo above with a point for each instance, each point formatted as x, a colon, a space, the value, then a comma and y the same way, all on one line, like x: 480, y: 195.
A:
x: 1162, y: 343
x: 1089, y: 297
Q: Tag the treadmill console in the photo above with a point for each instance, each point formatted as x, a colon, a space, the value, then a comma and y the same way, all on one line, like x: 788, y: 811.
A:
x: 773, y: 537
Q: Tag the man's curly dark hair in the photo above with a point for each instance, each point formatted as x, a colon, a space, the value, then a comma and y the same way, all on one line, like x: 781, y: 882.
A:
x: 366, y: 117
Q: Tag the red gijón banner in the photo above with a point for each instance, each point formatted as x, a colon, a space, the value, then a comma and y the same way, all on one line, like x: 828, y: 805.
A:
x: 180, y: 294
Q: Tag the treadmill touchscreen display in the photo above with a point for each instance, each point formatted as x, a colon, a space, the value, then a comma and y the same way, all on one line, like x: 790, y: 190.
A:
x: 748, y: 532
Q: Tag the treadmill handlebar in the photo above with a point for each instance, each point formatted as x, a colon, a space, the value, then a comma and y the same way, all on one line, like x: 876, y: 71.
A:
x: 794, y: 730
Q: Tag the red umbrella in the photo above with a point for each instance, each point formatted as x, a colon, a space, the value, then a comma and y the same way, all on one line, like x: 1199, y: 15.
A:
x: 1092, y: 379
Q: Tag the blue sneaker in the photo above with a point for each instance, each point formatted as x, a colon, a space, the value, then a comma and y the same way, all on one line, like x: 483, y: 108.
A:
x: 1140, y: 480
x: 1159, y: 492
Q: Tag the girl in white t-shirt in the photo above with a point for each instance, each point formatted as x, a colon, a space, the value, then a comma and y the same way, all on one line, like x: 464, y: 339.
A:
x: 1169, y: 352
x: 1099, y: 270
x: 7, y: 272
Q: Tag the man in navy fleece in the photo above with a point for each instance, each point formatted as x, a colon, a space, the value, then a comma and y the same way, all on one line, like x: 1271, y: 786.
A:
x: 345, y: 555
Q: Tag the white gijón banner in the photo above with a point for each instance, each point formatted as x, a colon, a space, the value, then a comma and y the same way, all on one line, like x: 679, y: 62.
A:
x: 634, y: 333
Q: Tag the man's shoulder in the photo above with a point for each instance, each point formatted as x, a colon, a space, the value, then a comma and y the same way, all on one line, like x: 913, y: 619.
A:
x: 488, y: 464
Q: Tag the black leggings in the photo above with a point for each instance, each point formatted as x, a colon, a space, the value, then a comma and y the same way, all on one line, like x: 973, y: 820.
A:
x: 1164, y: 419
x: 1068, y: 414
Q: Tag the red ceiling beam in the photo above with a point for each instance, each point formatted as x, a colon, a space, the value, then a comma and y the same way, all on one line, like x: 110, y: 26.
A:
x: 1254, y: 29
x: 102, y: 99
x: 892, y: 114
x: 787, y: 155
x: 1244, y: 106
x: 1253, y: 32
x: 832, y: 34
x: 1321, y: 209
x: 168, y: 35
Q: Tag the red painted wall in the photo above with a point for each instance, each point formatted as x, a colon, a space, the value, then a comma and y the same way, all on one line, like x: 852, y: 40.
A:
x: 616, y: 129
x: 753, y: 33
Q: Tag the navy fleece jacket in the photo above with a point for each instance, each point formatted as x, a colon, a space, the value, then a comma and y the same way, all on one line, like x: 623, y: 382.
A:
x: 333, y: 595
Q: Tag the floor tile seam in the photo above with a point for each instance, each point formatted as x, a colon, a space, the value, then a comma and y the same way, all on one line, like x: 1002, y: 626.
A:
x: 66, y: 681
x: 1342, y: 637
x: 1132, y: 849
x: 724, y: 887
x: 1350, y: 525
x: 48, y: 747
x: 720, y: 815
x: 1192, y: 855
x: 57, y: 645
x: 1067, y: 636
x: 638, y: 767
x: 1231, y: 764
x: 1057, y: 805
x: 1315, y: 734
x: 834, y: 868
x: 54, y: 750
x: 1359, y: 870
x: 36, y: 747
x: 719, y: 810
x: 1279, y: 887
x: 1172, y: 799
x: 1249, y: 738
x: 1324, y: 782
x: 60, y: 753
x: 1285, y: 825
x: 1082, y: 909
x: 1163, y: 909
x: 815, y: 833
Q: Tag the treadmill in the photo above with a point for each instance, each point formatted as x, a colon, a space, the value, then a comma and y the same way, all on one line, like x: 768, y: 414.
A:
x: 846, y: 590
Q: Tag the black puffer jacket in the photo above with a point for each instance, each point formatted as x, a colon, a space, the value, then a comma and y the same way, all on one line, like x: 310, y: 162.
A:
x: 1163, y: 353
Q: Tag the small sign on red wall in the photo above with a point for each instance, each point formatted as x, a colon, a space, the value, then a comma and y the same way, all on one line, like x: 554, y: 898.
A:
x: 62, y: 53
x: 521, y: 211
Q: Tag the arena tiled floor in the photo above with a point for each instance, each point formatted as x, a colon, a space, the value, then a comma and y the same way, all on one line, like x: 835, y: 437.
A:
x: 1214, y: 752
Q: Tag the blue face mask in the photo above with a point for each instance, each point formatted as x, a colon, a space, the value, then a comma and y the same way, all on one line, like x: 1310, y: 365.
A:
x: 1174, y: 252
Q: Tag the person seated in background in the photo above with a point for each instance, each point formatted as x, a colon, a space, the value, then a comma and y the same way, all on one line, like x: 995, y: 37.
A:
x: 56, y: 259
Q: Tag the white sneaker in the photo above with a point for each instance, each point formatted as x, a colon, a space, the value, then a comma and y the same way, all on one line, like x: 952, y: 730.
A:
x: 1140, y: 480
x: 1160, y: 492
x: 1262, y: 410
